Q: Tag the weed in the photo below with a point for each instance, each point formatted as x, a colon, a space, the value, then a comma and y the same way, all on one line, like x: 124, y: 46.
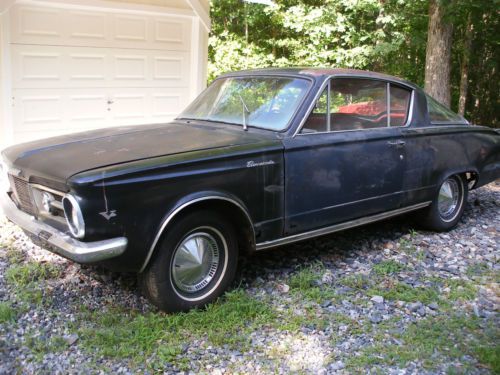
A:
x: 452, y: 336
x: 303, y: 279
x: 388, y: 267
x: 134, y: 335
x: 7, y: 312
x: 24, y: 274
x: 355, y: 281
x: 397, y: 291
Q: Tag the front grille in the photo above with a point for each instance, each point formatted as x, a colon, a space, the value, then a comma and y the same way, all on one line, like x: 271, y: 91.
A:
x: 23, y: 195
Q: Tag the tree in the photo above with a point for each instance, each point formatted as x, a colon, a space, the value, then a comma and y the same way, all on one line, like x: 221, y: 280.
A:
x: 430, y: 42
x: 438, y: 54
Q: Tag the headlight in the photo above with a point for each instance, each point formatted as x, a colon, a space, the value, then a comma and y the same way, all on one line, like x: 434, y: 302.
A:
x: 74, y: 216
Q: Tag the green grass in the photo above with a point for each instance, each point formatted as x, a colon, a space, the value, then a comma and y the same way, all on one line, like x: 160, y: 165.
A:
x: 388, y: 267
x: 303, y: 279
x: 27, y: 273
x: 460, y: 290
x: 41, y: 346
x: 7, y: 312
x: 25, y: 281
x: 303, y: 285
x: 477, y: 269
x: 356, y: 281
x: 451, y: 336
x: 397, y: 291
x: 136, y: 336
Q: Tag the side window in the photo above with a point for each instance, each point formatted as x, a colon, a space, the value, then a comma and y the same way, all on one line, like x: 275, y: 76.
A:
x: 358, y: 104
x: 439, y: 114
x: 317, y: 120
x: 400, y: 105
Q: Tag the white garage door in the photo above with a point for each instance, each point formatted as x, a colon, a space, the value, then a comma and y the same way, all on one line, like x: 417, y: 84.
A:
x: 78, y: 69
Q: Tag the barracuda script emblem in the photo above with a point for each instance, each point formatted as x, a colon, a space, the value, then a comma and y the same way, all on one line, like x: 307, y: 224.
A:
x: 251, y: 163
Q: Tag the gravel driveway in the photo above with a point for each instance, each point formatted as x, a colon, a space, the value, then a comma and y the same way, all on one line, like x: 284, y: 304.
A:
x: 385, y: 298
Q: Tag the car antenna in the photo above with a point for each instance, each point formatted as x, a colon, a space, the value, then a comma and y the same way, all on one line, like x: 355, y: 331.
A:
x: 245, y: 111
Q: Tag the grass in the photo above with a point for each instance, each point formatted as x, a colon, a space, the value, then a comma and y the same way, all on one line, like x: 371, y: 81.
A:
x: 398, y: 291
x: 41, y: 346
x: 135, y: 336
x: 388, y: 267
x: 304, y: 285
x: 7, y: 312
x: 25, y: 281
x: 25, y: 274
x: 451, y: 336
x: 356, y: 281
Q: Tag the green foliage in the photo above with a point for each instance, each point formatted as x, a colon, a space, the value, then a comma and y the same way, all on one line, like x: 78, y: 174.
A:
x: 24, y: 274
x: 388, y: 267
x: 388, y: 36
x: 25, y: 280
x: 453, y: 336
x: 397, y: 291
x: 136, y: 336
x: 7, y: 312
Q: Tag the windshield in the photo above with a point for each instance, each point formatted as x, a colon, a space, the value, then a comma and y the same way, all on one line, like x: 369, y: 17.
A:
x: 263, y: 102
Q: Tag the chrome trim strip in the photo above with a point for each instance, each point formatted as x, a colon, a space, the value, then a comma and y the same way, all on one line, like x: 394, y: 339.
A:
x: 339, y: 227
x: 169, y: 218
x: 61, y: 243
x: 327, y: 81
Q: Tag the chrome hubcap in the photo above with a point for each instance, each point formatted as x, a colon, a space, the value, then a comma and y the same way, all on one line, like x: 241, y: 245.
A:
x: 448, y: 198
x: 195, y: 262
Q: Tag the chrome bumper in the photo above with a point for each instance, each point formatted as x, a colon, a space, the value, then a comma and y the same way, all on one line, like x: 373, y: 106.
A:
x: 59, y: 242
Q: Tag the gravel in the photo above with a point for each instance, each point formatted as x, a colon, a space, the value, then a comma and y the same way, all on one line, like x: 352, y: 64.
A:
x: 355, y: 255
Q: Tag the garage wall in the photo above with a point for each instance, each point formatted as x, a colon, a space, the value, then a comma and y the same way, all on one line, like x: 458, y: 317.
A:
x: 76, y: 69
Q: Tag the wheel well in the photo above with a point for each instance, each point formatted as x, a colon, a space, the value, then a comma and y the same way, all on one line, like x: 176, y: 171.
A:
x: 471, y: 178
x: 242, y: 222
x: 235, y: 214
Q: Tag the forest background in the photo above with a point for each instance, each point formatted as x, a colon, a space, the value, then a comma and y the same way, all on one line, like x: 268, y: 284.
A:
x: 450, y: 47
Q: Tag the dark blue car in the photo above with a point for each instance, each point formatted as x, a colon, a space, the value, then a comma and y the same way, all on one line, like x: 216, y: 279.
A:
x: 260, y: 159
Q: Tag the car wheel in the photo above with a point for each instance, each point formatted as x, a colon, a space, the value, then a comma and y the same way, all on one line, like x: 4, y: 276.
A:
x: 448, y: 205
x: 195, y: 263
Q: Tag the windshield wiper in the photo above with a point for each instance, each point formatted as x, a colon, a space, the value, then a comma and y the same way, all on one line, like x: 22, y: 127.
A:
x: 245, y: 112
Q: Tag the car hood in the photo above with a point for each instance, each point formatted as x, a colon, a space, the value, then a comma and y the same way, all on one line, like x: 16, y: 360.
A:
x: 61, y: 157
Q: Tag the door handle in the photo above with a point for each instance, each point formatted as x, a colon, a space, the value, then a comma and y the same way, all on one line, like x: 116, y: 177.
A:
x: 398, y: 143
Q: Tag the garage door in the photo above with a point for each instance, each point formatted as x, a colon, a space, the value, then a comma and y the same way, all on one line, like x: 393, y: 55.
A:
x: 75, y: 70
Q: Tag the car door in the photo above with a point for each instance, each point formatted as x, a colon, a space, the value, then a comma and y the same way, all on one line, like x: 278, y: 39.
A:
x: 347, y: 164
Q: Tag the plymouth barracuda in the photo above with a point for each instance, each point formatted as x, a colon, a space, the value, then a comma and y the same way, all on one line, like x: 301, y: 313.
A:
x: 260, y: 159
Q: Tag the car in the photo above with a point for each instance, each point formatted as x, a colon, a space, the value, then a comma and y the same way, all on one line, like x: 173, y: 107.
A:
x: 261, y: 158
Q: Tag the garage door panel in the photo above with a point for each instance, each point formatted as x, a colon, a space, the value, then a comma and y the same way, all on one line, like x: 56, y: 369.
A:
x: 86, y: 66
x: 40, y: 25
x: 37, y: 66
x: 166, y: 106
x: 130, y: 67
x: 130, y: 28
x: 84, y: 108
x: 87, y: 27
x: 65, y: 27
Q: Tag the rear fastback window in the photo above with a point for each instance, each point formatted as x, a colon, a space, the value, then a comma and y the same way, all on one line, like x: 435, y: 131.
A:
x: 439, y: 114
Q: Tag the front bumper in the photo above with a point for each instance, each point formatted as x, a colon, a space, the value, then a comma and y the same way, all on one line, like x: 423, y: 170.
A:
x: 59, y: 242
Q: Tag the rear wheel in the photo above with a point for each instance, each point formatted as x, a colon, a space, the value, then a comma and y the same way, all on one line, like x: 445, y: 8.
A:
x: 448, y: 205
x: 195, y: 263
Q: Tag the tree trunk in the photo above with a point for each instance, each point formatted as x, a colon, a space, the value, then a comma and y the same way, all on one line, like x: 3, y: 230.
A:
x: 464, y: 71
x: 438, y: 55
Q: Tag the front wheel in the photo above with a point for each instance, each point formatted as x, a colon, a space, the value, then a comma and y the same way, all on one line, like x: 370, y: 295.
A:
x: 448, y: 205
x: 194, y: 264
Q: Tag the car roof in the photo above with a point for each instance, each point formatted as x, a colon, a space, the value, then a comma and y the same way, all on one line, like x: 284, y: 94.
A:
x: 321, y: 73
